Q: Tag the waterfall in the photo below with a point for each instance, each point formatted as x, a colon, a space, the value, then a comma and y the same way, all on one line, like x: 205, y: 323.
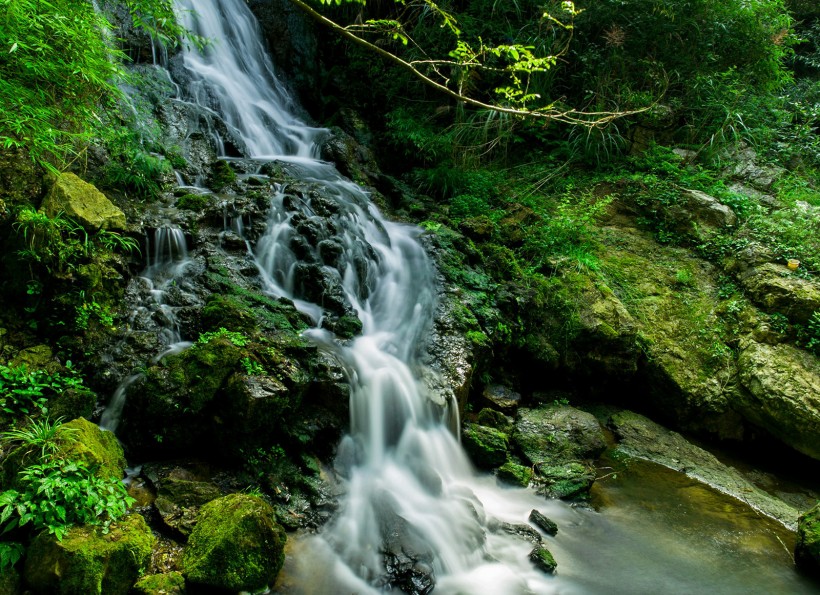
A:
x: 413, y: 512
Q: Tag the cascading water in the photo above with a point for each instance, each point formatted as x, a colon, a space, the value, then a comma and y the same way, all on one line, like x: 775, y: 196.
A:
x: 414, y: 516
x: 168, y: 261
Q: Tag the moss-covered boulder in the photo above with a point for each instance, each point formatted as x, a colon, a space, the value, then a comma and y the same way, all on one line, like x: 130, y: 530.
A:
x: 568, y: 481
x: 775, y: 288
x: 81, y: 440
x: 807, y: 549
x: 783, y: 393
x: 82, y: 202
x: 487, y: 447
x: 221, y: 175
x: 236, y: 545
x: 557, y: 434
x: 87, y: 562
x: 515, y: 474
x: 169, y: 583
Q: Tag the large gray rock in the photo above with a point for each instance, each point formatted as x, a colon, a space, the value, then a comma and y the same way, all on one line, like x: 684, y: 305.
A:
x: 707, y: 210
x: 82, y: 202
x: 642, y: 438
x: 558, y: 434
x: 775, y: 289
x: 783, y: 385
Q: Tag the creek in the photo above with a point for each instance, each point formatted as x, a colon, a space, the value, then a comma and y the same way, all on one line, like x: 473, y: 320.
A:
x: 414, y: 515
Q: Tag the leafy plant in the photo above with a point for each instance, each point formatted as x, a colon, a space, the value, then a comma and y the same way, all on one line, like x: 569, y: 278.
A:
x: 24, y: 391
x: 59, y: 494
x: 252, y: 367
x: 37, y: 435
x: 237, y: 338
x: 10, y: 553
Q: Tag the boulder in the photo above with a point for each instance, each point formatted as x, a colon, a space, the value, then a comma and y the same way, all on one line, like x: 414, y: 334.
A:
x: 86, y: 562
x: 541, y: 521
x: 776, y: 289
x: 568, y: 481
x: 169, y: 583
x: 515, y: 474
x: 542, y: 558
x: 81, y: 440
x: 642, y: 438
x: 706, y: 210
x: 236, y: 545
x: 179, y: 500
x: 783, y: 393
x: 807, y: 549
x: 82, y: 202
x: 486, y: 446
x: 502, y: 398
x: 558, y: 434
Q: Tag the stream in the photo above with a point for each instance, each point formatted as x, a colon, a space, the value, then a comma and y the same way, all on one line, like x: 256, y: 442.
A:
x: 414, y: 516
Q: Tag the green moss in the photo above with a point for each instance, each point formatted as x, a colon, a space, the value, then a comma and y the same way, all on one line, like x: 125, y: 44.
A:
x: 81, y: 440
x: 193, y: 202
x: 88, y: 562
x: 222, y: 174
x: 235, y: 545
x: 543, y: 559
x: 515, y: 474
x: 568, y: 481
x: 229, y: 312
x: 170, y: 583
x: 807, y: 551
x: 348, y: 327
x: 494, y: 419
x: 486, y: 446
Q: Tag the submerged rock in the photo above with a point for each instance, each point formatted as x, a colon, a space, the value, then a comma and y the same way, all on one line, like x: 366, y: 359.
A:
x: 408, y: 560
x: 542, y: 522
x: 512, y: 472
x: 86, y: 562
x: 807, y: 550
x: 82, y: 202
x: 642, y: 438
x: 783, y: 385
x: 542, y: 558
x: 235, y: 545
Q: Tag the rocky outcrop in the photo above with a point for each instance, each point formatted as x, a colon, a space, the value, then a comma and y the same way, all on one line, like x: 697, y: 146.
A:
x: 236, y: 545
x: 559, y: 441
x: 82, y: 202
x: 807, y: 550
x: 774, y: 288
x: 642, y: 438
x: 783, y: 393
x: 86, y: 562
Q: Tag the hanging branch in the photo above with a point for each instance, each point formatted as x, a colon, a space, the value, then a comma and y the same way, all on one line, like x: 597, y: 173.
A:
x: 523, y: 62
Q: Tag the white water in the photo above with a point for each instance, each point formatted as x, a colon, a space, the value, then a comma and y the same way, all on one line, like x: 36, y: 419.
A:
x: 400, y: 459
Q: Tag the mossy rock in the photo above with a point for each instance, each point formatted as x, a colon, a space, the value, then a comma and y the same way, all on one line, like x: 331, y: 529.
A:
x: 81, y: 440
x: 82, y: 202
x: 236, y: 545
x: 193, y: 202
x: 178, y: 501
x: 807, y: 550
x: 10, y: 582
x: 567, y: 481
x: 222, y: 174
x: 542, y: 558
x: 486, y: 446
x: 558, y: 434
x: 515, y: 474
x: 169, y: 583
x: 495, y: 419
x: 226, y: 311
x: 87, y: 562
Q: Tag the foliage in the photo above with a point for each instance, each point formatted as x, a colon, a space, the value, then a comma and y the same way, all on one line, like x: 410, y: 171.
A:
x: 237, y: 338
x: 37, y: 434
x: 24, y: 391
x: 58, y: 73
x: 252, y: 367
x: 58, y: 494
x: 813, y: 333
x: 92, y: 310
x: 10, y: 554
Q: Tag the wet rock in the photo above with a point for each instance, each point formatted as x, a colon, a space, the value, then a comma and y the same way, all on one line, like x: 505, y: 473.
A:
x: 542, y: 558
x: 567, y: 481
x: 87, y: 562
x: 502, y: 398
x: 235, y: 545
x: 221, y: 175
x: 495, y: 419
x: 776, y: 289
x: 82, y: 202
x: 179, y: 500
x: 642, y: 438
x: 783, y: 393
x: 558, y: 433
x: 542, y: 522
x: 807, y: 550
x: 487, y: 447
x: 522, y: 531
x: 515, y: 474
x: 406, y: 557
x: 169, y: 583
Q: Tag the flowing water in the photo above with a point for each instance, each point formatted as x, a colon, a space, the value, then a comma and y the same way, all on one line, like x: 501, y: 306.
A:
x: 413, y: 511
